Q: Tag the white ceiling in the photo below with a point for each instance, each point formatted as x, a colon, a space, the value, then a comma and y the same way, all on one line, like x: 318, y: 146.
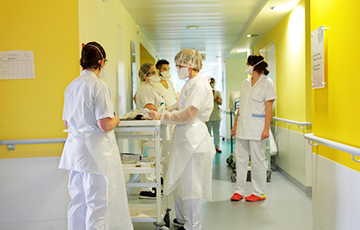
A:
x: 223, y: 24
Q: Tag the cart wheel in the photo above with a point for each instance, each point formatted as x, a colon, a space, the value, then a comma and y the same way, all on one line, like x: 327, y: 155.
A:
x: 229, y: 160
x: 233, y: 177
x: 268, y: 178
x: 167, y: 218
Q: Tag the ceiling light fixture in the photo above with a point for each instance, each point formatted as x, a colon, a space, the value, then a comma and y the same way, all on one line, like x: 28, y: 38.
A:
x: 242, y: 50
x: 251, y: 35
x: 192, y: 27
x: 285, y: 7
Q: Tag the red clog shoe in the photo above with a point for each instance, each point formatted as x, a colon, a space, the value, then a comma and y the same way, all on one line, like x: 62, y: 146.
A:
x: 236, y: 197
x: 253, y: 198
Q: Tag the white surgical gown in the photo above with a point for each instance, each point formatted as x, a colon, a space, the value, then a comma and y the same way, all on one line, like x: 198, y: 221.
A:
x: 192, y: 151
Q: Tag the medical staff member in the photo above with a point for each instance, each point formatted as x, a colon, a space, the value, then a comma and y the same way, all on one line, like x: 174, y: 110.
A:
x: 215, y: 118
x: 90, y: 155
x: 251, y: 128
x: 165, y: 87
x: 147, y: 97
x: 189, y: 175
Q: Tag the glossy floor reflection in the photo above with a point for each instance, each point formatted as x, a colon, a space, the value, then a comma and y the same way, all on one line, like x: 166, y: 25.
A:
x: 286, y: 207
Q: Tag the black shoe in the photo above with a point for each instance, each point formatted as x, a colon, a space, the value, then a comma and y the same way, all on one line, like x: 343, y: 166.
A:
x: 162, y: 191
x: 181, y: 228
x: 178, y: 224
x: 218, y: 150
x: 148, y: 195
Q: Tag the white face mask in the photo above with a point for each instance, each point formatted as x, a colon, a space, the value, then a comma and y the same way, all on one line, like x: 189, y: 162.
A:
x: 102, y: 73
x: 249, y: 69
x: 165, y: 74
x: 154, y: 78
x: 183, y: 73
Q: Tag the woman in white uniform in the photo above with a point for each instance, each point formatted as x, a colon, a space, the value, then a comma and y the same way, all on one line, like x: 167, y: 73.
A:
x: 251, y: 128
x: 148, y: 98
x: 90, y: 155
x: 189, y: 175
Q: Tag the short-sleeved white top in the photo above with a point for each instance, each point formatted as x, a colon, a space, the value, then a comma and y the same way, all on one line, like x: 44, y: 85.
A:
x: 168, y: 94
x: 87, y: 148
x: 146, y: 94
x: 251, y: 119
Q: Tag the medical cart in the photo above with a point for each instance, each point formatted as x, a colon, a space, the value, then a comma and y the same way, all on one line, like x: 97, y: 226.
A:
x: 146, y: 129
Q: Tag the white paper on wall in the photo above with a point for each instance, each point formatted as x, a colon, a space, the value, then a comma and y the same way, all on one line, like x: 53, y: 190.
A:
x: 17, y: 65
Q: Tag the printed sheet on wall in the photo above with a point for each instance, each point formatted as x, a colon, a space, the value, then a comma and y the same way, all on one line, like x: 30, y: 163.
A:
x: 17, y: 65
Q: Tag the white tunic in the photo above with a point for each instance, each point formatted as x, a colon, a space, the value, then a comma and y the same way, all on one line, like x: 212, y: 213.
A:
x: 88, y: 149
x: 168, y: 94
x: 251, y: 120
x: 192, y: 151
x: 146, y: 94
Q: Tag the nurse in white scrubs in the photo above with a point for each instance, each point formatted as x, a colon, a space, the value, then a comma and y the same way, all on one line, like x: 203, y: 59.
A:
x: 251, y: 128
x: 90, y: 155
x: 189, y: 175
x: 147, y: 97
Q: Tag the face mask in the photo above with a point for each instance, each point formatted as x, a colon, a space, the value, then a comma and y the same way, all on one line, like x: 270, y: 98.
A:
x: 249, y: 69
x: 183, y: 73
x: 165, y: 75
x: 154, y: 78
x: 102, y: 73
x: 212, y: 85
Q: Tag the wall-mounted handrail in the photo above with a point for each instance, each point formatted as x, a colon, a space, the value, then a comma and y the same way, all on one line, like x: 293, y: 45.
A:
x: 11, y: 143
x: 288, y: 122
x: 336, y: 145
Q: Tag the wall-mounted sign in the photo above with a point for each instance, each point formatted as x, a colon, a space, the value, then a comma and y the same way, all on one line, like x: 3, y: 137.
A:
x: 317, y: 58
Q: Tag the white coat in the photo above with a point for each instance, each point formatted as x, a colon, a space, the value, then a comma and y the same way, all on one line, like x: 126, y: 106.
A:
x: 88, y: 149
x: 146, y: 94
x: 251, y: 118
x: 168, y: 94
x: 192, y: 151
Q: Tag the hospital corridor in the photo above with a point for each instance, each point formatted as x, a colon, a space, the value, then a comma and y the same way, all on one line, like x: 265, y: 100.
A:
x: 179, y: 115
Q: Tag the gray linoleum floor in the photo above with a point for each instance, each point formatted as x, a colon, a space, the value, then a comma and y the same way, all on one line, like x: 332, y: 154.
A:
x: 286, y: 207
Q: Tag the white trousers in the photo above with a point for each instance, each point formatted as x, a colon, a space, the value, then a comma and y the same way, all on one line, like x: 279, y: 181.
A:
x: 215, y: 125
x: 255, y: 149
x: 189, y: 212
x: 88, y: 203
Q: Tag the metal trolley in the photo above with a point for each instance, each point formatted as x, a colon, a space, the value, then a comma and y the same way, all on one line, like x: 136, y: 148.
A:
x: 146, y: 129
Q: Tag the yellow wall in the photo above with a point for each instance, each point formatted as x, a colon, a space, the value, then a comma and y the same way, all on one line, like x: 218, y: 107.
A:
x: 292, y: 65
x: 336, y: 109
x: 145, y: 56
x: 32, y: 108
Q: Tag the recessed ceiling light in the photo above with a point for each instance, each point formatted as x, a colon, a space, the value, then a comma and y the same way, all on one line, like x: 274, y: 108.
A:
x: 284, y: 7
x: 242, y: 50
x: 192, y: 27
x: 251, y: 35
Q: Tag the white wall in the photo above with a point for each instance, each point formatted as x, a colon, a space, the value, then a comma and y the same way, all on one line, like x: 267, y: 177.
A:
x: 336, y: 200
x: 33, y: 194
x: 294, y: 155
